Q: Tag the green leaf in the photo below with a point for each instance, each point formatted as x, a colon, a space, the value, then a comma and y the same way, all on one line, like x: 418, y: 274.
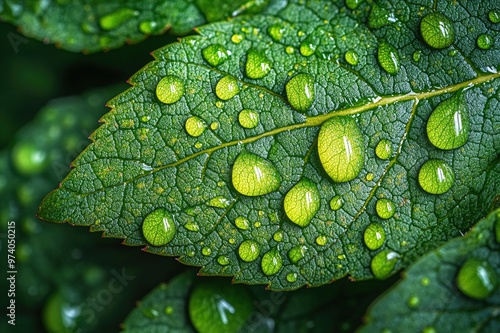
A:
x: 435, y: 297
x: 225, y: 185
x: 93, y: 25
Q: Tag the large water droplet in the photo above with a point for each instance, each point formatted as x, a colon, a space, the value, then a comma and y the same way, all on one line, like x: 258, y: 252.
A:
x: 248, y: 118
x: 437, y: 30
x: 448, y: 125
x: 117, y: 18
x: 484, y: 41
x: 336, y: 203
x: 170, y: 89
x: 242, y: 223
x: 436, y: 176
x: 388, y: 58
x: 351, y: 57
x: 477, y: 278
x: 494, y: 15
x: 257, y: 65
x: 195, y: 126
x: 227, y: 88
x: 215, y: 54
x: 300, y: 92
x: 385, y: 208
x: 296, y: 253
x: 271, y: 262
x: 341, y: 148
x: 302, y: 202
x: 252, y: 175
x: 159, y: 227
x: 249, y: 250
x: 374, y: 236
x: 308, y: 46
x: 276, y: 32
x: 383, y: 149
x: 383, y: 263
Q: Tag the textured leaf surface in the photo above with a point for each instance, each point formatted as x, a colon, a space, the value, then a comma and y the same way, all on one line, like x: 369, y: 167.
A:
x: 224, y: 185
x: 93, y: 25
x: 428, y: 299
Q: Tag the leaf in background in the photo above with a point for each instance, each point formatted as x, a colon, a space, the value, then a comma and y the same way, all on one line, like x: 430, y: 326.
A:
x: 299, y: 148
x: 435, y: 297
x: 94, y: 25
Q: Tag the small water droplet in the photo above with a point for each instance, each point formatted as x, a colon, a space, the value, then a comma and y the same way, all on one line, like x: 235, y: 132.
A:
x: 191, y: 226
x: 232, y: 241
x: 341, y: 148
x: 383, y: 149
x: 336, y: 203
x: 195, y: 126
x: 169, y: 310
x: 278, y: 236
x: 148, y: 27
x: 370, y: 176
x: 215, y: 54
x: 223, y: 260
x: 388, y: 58
x: 206, y: 251
x: 290, y: 50
x: 158, y: 227
x: 291, y: 277
x: 452, y: 53
x: 429, y: 329
x: 117, y: 18
x: 353, y: 4
x: 379, y: 17
x: 477, y: 279
x: 321, y: 240
x: 413, y: 302
x: 484, y: 41
x: 276, y: 32
x: 374, y: 236
x: 308, y: 46
x: 302, y: 202
x: 170, y: 89
x: 242, y: 223
x: 248, y: 118
x: 436, y: 176
x: 271, y: 262
x: 257, y: 65
x: 351, y: 57
x: 383, y: 263
x: 198, y: 145
x: 145, y: 119
x: 252, y: 175
x: 214, y: 125
x: 448, y: 125
x: 150, y: 313
x: 227, y: 88
x: 296, y: 253
x: 219, y: 104
x: 494, y: 15
x: 385, y: 208
x: 425, y: 281
x: 300, y: 92
x: 257, y: 224
x: 437, y: 30
x: 249, y: 250
x: 90, y: 28
x: 237, y: 38
x: 417, y: 55
x: 219, y: 202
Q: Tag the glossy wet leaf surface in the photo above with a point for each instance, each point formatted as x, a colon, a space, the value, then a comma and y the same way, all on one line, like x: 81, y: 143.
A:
x: 453, y: 287
x: 227, y: 186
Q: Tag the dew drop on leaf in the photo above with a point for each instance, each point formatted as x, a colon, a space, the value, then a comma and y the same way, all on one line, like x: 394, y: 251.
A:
x: 484, y: 41
x: 227, y: 88
x: 248, y: 118
x: 252, y: 175
x: 215, y: 54
x: 257, y: 65
x: 429, y: 329
x: 321, y: 240
x: 300, y: 92
x: 353, y: 4
x: 494, y: 15
x: 374, y: 236
x: 437, y: 30
x: 289, y: 50
x: 302, y: 202
x: 158, y: 227
x: 308, y: 46
x: 214, y: 125
x: 249, y: 250
x: 237, y: 38
x: 276, y: 32
x: 413, y: 301
x: 219, y: 202
x: 206, y: 251
x: 448, y: 125
x: 291, y: 277
x: 191, y: 226
x: 417, y: 55
x: 296, y: 253
x: 168, y: 310
x: 271, y: 262
x: 385, y: 208
x: 148, y: 27
x: 336, y: 202
x: 436, y: 176
x: 117, y: 18
x: 477, y: 279
x: 150, y: 313
x: 242, y: 223
x: 278, y: 236
x: 170, y: 89
x: 379, y: 17
x: 351, y: 57
x: 28, y: 159
x: 195, y: 126
x: 341, y: 148
x: 388, y: 58
x: 383, y: 150
x: 223, y: 260
x: 383, y: 263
